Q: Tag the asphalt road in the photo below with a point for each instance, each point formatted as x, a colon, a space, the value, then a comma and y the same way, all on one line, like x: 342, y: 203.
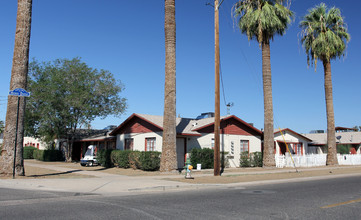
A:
x: 338, y: 198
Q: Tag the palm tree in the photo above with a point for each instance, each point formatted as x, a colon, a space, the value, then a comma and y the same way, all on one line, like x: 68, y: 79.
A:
x: 262, y: 20
x: 169, y: 156
x: 324, y: 37
x: 19, y: 74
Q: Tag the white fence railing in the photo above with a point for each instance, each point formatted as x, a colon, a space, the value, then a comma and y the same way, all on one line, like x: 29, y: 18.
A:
x: 314, y: 160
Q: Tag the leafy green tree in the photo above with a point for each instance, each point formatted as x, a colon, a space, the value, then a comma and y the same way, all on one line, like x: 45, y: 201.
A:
x: 262, y: 20
x: 66, y: 94
x: 324, y: 37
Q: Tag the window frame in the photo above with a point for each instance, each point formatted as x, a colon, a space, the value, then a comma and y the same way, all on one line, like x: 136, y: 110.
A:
x: 152, y: 142
x: 128, y: 143
x: 241, y: 148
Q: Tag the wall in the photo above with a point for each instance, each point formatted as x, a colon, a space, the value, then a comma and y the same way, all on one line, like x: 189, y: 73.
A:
x: 225, y: 145
x: 290, y: 138
x: 139, y: 140
x: 30, y: 141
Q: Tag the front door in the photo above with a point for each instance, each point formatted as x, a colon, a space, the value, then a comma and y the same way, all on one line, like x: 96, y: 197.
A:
x: 181, y: 144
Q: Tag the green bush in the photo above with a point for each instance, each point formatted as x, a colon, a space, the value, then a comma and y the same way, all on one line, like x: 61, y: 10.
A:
x: 343, y: 149
x: 48, y: 155
x: 28, y: 152
x: 134, y: 161
x: 150, y: 160
x: 245, y: 160
x: 257, y: 159
x: 120, y: 158
x: 103, y: 157
x: 203, y: 156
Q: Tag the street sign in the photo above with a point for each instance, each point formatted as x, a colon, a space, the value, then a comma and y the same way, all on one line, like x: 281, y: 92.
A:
x: 19, y: 92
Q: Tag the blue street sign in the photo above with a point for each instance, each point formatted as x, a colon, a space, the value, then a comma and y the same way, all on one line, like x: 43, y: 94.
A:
x: 19, y: 92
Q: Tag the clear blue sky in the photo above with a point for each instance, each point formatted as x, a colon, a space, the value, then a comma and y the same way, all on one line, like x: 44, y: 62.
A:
x: 127, y: 38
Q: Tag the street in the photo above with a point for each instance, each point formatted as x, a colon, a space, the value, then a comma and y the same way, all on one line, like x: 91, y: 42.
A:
x: 338, y: 198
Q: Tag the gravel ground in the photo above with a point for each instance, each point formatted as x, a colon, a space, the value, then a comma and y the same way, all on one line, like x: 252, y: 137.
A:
x: 230, y: 175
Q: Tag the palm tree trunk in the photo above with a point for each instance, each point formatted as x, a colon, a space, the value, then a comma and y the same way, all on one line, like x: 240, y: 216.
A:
x: 268, y: 140
x: 331, y: 138
x: 19, y: 74
x: 169, y: 155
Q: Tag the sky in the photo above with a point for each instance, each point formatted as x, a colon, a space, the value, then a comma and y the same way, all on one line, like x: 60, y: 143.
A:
x: 127, y: 38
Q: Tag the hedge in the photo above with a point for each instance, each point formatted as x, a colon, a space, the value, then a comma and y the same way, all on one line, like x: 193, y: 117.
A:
x: 203, y: 156
x: 245, y: 159
x: 28, y: 152
x: 251, y: 160
x: 150, y: 160
x: 257, y: 159
x: 120, y: 158
x: 103, y: 157
x: 48, y: 155
x: 134, y: 160
x: 147, y: 161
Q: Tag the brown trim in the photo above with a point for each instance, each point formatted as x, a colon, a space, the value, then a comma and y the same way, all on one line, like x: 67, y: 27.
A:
x: 185, y: 134
x: 114, y: 132
x: 103, y: 139
x: 287, y: 129
x: 236, y: 118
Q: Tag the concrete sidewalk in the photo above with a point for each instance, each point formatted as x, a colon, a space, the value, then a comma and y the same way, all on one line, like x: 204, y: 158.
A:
x: 98, y: 182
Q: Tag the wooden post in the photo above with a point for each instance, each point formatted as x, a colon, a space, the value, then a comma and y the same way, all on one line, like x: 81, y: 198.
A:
x: 217, y: 93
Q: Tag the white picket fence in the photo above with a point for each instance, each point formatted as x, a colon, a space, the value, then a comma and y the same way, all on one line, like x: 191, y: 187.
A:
x: 314, y: 160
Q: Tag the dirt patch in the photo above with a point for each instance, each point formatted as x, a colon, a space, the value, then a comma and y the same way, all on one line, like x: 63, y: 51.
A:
x: 236, y: 178
x: 43, y: 173
x: 230, y: 175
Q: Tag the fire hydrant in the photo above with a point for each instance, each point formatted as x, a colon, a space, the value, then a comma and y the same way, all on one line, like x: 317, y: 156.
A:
x: 188, y: 167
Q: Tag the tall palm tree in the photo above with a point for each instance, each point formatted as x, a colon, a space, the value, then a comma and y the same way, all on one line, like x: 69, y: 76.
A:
x: 262, y: 20
x: 19, y: 74
x: 324, y: 37
x: 169, y: 155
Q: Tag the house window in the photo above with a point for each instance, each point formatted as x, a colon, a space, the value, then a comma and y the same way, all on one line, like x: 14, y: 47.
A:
x: 128, y: 143
x: 297, y: 147
x: 212, y: 143
x: 232, y: 147
x: 244, y: 145
x: 150, y: 144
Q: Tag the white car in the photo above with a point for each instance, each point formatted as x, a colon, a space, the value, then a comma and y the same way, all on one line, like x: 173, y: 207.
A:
x: 89, y: 158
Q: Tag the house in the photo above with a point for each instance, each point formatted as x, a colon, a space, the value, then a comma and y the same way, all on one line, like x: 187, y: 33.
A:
x: 85, y: 137
x: 34, y: 142
x: 144, y: 133
x: 1, y: 138
x: 347, y: 140
x: 297, y: 143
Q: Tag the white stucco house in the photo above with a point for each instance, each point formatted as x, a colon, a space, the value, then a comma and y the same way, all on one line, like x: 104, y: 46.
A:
x: 144, y: 133
x: 297, y: 143
x: 34, y: 142
x: 345, y: 137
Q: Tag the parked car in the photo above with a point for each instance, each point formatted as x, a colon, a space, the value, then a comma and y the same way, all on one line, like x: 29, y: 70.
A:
x: 89, y: 158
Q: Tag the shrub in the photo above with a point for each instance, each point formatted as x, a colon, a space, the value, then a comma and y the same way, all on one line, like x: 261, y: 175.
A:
x: 257, y: 159
x: 120, y: 158
x: 134, y: 159
x: 103, y: 157
x: 203, y: 156
x: 28, y: 152
x: 343, y: 149
x: 245, y: 160
x: 149, y: 161
x: 48, y: 155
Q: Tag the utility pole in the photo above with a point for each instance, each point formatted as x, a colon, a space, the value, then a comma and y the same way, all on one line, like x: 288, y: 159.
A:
x: 217, y: 93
